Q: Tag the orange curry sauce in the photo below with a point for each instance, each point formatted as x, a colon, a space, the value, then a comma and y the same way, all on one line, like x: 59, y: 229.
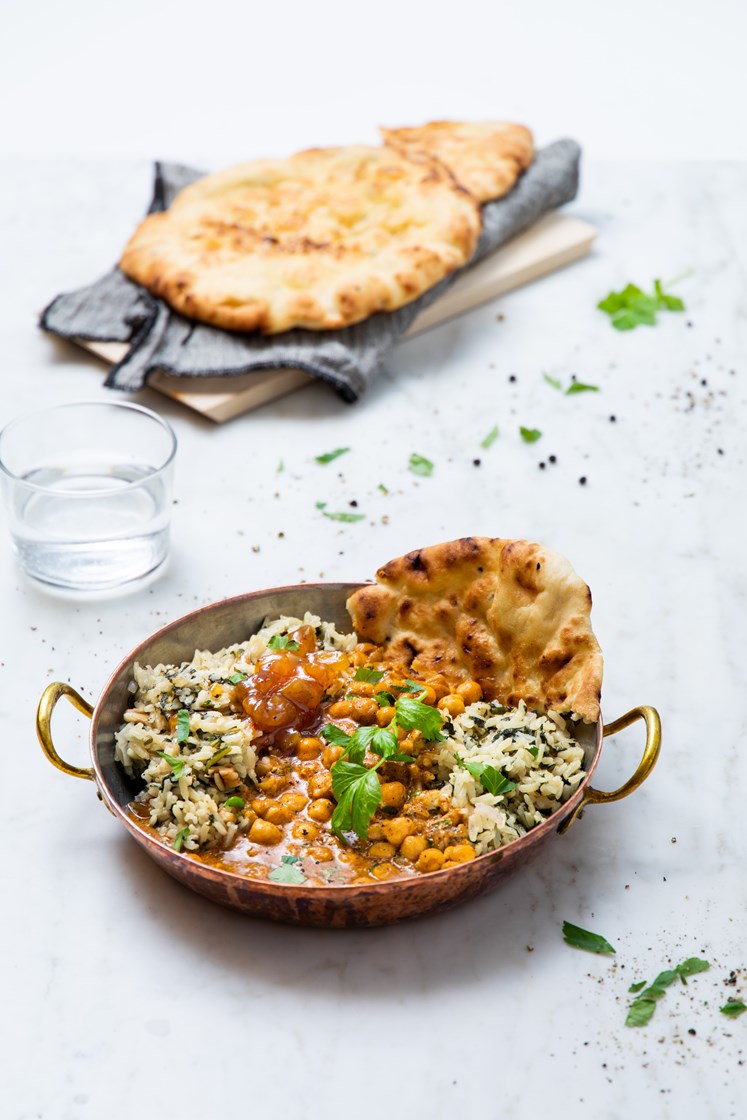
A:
x: 290, y: 697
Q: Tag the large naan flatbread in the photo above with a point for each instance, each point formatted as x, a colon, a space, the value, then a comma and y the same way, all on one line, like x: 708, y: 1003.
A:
x: 320, y: 240
x: 486, y: 157
x: 511, y: 615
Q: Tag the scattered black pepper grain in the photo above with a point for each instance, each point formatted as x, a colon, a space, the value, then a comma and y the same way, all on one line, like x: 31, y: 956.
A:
x: 720, y: 450
x: 582, y: 480
x: 281, y: 534
x: 689, y: 323
x: 541, y: 466
x: 613, y: 419
x: 477, y: 462
x: 353, y: 502
x: 512, y: 377
x: 553, y: 458
x: 703, y: 381
x: 674, y: 839
x: 692, y: 1030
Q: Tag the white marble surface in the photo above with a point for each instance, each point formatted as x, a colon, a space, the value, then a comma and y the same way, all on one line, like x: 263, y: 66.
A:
x: 125, y: 995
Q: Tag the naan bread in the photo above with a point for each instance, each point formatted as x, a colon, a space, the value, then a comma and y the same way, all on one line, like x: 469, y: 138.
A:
x: 486, y: 157
x: 511, y: 615
x: 320, y: 240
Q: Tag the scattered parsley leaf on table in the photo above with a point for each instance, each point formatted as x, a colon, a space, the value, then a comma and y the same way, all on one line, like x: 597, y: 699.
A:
x: 584, y: 939
x: 691, y: 967
x: 639, y: 1012
x: 530, y: 435
x: 580, y: 387
x: 552, y: 381
x: 328, y: 456
x: 641, y: 1009
x: 383, y: 488
x: 637, y: 987
x: 418, y: 464
x: 344, y: 516
x: 633, y: 307
x: 490, y: 438
x: 733, y: 1008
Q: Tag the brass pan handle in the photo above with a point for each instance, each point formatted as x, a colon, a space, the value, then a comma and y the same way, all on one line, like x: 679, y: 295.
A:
x: 47, y: 704
x: 650, y: 754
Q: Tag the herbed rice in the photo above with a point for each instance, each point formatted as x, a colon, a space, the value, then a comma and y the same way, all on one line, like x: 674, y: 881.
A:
x: 534, y: 751
x: 191, y: 796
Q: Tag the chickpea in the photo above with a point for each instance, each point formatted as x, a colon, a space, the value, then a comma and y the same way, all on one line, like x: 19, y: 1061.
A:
x: 226, y: 777
x: 304, y: 830
x: 427, y: 694
x: 309, y: 748
x: 470, y: 692
x: 263, y: 832
x: 363, y: 688
x: 453, y: 704
x: 294, y: 801
x: 460, y: 853
x: 384, y: 716
x: 320, y: 785
x: 320, y: 853
x: 331, y: 755
x: 381, y: 850
x: 274, y: 784
x: 393, y: 794
x: 412, y: 846
x: 265, y: 765
x: 321, y: 809
x: 365, y: 709
x: 279, y: 814
x: 341, y: 709
x: 397, y: 830
x: 287, y: 740
x: 440, y: 686
x: 260, y: 805
x: 430, y: 860
x: 376, y: 830
x: 385, y: 871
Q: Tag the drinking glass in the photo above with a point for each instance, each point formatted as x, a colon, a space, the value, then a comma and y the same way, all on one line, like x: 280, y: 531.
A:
x: 88, y: 492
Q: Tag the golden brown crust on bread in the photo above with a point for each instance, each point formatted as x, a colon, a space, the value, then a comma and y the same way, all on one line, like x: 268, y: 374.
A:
x: 486, y: 157
x: 511, y: 615
x: 320, y: 240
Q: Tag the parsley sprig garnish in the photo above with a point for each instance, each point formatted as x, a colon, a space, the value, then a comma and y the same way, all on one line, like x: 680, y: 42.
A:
x: 643, y: 1007
x: 356, y: 786
x: 633, y: 307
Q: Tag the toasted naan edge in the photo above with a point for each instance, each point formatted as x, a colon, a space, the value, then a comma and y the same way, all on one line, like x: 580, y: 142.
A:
x: 486, y: 157
x: 321, y: 240
x: 510, y: 614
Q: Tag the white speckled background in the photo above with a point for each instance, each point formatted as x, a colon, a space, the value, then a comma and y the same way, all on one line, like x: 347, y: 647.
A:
x: 125, y: 995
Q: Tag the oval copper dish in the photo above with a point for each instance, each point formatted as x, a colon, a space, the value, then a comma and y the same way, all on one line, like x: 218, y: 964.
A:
x: 233, y: 620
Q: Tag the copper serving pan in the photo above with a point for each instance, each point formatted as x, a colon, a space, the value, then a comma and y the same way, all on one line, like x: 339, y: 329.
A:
x: 234, y: 620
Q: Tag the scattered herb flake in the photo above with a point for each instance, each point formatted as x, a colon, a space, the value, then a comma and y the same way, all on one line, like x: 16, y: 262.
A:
x: 179, y: 839
x: 580, y: 387
x: 637, y: 987
x: 280, y: 467
x: 418, y: 464
x: 552, y: 381
x: 367, y: 674
x: 234, y: 803
x: 383, y: 488
x: 733, y: 1008
x: 282, y: 641
x: 639, y: 1012
x: 236, y: 678
x: 344, y: 516
x: 218, y: 757
x: 287, y: 873
x: 633, y: 307
x: 691, y: 967
x: 641, y: 1009
x: 584, y: 939
x: 490, y: 438
x: 328, y: 456
x: 182, y: 725
x: 321, y: 505
x: 489, y: 778
x: 530, y: 435
x: 176, y: 764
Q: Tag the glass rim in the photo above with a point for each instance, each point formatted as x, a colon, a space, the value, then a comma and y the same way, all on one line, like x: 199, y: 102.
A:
x: 123, y: 405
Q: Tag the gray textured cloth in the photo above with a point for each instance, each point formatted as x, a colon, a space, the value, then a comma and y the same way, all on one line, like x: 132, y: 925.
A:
x: 116, y: 310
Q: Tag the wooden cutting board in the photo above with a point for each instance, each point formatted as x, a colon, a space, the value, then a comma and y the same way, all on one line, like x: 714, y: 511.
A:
x: 554, y: 241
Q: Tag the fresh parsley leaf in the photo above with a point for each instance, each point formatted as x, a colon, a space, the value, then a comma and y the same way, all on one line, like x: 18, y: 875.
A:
x: 414, y: 686
x: 691, y: 967
x: 552, y: 381
x: 384, y: 699
x: 290, y: 859
x: 344, y: 516
x: 489, y: 778
x: 383, y: 488
x: 236, y: 678
x: 733, y: 1008
x: 384, y: 742
x: 633, y: 307
x: 358, y: 793
x: 176, y: 764
x: 659, y: 986
x: 288, y: 873
x: 534, y: 751
x: 580, y: 387
x: 367, y: 674
x: 321, y: 505
x: 584, y: 939
x: 637, y: 987
x: 639, y: 1012
x: 234, y: 803
x: 530, y: 435
x: 490, y: 438
x: 280, y: 467
x: 282, y: 641
x: 413, y: 714
x: 335, y: 735
x: 330, y: 455
x: 179, y: 839
x: 182, y: 725
x: 418, y: 464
